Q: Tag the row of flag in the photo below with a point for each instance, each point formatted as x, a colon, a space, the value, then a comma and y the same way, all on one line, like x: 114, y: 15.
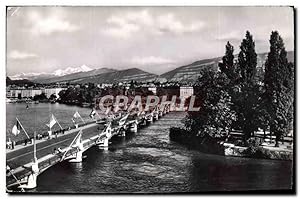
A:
x: 18, y: 126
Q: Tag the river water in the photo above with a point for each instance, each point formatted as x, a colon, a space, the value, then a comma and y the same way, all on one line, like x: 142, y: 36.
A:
x: 148, y: 162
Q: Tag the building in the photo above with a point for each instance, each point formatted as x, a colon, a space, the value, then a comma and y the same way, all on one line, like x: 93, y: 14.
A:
x: 22, y: 93
x: 14, y: 93
x: 153, y: 89
x: 30, y: 93
x: 50, y: 91
x: 186, y: 91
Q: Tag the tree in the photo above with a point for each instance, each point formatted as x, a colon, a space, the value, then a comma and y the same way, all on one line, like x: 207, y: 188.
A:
x: 227, y: 65
x: 246, y: 96
x: 215, y: 115
x: 52, y: 97
x: 278, y: 84
x: 41, y: 97
x: 247, y: 60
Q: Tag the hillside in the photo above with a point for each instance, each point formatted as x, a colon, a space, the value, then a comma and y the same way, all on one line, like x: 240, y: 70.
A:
x: 127, y: 75
x: 183, y: 74
x: 78, y: 75
x: 18, y: 82
x: 191, y: 72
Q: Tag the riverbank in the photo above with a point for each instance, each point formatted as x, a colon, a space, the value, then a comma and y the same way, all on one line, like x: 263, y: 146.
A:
x: 212, y: 145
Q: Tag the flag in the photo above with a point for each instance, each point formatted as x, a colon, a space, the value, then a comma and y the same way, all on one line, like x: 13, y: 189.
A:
x: 92, y: 114
x: 16, y: 129
x: 52, y: 121
x: 76, y: 115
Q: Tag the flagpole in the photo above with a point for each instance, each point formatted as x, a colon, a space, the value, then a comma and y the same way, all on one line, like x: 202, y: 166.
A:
x: 68, y: 149
x: 49, y: 124
x: 34, y: 147
x: 57, y: 122
x: 82, y: 120
x: 18, y: 181
x: 23, y: 128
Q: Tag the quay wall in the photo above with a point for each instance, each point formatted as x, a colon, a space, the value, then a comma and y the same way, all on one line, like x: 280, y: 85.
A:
x: 208, y: 144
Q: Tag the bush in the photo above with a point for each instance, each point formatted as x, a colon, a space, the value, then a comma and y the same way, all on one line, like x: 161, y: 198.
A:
x: 255, y: 142
x: 257, y: 152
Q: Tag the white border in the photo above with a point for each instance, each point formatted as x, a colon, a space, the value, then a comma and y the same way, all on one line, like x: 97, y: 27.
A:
x: 5, y: 3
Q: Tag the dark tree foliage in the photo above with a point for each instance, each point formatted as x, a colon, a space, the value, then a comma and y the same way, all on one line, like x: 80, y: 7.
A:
x: 246, y: 93
x: 247, y: 60
x: 278, y: 85
x: 227, y: 65
x: 52, y: 97
x: 79, y: 95
x: 215, y: 115
x: 41, y: 97
x: 235, y: 98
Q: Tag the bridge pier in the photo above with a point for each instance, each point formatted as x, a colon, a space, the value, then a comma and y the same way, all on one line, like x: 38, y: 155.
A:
x: 123, y: 133
x: 78, y: 155
x: 50, y: 134
x: 160, y: 114
x: 105, y: 142
x: 32, y: 178
x: 134, y: 127
x: 150, y: 119
x: 156, y: 116
x: 144, y: 122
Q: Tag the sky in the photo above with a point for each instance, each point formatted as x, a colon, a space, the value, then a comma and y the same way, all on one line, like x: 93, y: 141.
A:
x: 154, y: 39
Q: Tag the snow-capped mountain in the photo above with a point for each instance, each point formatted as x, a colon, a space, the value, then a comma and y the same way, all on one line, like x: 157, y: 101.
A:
x: 56, y: 73
x: 26, y: 75
x: 70, y: 70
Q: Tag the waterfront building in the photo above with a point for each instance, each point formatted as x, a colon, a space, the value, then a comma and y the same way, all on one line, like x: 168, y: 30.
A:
x: 22, y: 93
x: 186, y: 91
x: 50, y: 91
x: 153, y: 89
x: 31, y: 92
x: 14, y: 93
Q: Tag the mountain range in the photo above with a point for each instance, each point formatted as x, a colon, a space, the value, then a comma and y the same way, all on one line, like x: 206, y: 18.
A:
x: 56, y: 73
x: 85, y: 74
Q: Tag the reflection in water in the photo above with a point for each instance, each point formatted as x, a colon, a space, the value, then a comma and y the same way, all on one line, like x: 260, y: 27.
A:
x: 149, y: 163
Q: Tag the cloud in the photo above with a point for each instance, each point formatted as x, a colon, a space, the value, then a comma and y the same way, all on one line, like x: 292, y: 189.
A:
x: 231, y: 36
x: 150, y: 60
x: 21, y: 55
x: 123, y: 30
x: 125, y: 25
x: 168, y: 23
x: 50, y: 24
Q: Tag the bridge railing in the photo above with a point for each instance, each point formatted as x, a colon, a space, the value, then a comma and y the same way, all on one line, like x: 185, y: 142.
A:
x: 44, y: 135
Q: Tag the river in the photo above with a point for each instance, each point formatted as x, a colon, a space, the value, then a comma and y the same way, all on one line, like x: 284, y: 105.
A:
x: 148, y: 162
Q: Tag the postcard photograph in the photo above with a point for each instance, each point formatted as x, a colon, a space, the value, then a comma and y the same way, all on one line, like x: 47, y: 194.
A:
x: 150, y: 99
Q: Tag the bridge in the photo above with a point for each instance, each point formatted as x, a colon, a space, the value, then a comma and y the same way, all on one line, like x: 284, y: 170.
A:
x: 26, y: 162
